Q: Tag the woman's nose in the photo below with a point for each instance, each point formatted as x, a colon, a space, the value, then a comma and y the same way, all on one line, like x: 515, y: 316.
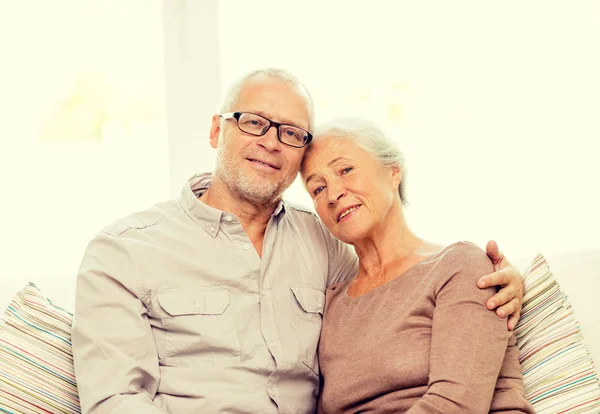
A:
x: 335, y: 194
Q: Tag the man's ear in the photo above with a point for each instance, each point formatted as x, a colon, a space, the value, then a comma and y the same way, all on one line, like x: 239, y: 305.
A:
x: 396, y: 176
x: 215, y: 129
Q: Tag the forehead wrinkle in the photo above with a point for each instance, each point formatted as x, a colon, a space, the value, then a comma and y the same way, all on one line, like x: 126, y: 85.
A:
x: 329, y: 164
x: 313, y: 175
x: 281, y: 120
x: 336, y: 160
x: 256, y: 90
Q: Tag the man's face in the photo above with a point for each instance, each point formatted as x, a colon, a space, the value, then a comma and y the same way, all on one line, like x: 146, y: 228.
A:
x: 260, y: 168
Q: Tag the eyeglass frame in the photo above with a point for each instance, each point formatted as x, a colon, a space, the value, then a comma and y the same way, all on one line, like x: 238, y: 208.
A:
x: 237, y: 115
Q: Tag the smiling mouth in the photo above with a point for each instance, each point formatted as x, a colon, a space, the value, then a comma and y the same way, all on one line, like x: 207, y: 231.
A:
x: 348, y: 211
x: 262, y: 163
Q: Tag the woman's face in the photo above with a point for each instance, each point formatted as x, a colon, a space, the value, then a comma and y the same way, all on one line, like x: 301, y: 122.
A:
x: 352, y: 192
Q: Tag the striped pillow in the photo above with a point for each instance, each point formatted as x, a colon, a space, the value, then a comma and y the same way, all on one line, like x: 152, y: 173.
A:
x: 36, y: 362
x: 558, y: 371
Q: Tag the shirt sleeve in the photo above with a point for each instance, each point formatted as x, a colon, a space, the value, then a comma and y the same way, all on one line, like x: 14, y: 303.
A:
x: 343, y: 262
x: 468, y: 342
x: 114, y: 353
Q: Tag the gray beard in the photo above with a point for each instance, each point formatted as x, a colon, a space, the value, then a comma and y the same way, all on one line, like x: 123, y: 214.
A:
x: 257, y: 193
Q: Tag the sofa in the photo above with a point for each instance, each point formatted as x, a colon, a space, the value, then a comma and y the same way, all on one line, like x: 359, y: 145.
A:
x: 558, y: 337
x: 578, y: 273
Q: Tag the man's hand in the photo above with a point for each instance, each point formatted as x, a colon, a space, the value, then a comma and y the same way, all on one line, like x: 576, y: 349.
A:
x: 508, y: 300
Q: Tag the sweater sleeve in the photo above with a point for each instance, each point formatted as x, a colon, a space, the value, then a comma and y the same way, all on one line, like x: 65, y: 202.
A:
x: 468, y: 342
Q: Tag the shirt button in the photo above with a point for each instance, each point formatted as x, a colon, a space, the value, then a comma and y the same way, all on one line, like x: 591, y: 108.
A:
x: 212, y: 228
x: 246, y: 246
x: 227, y: 218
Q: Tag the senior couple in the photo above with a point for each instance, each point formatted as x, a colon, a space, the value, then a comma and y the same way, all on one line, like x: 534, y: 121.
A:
x: 230, y: 300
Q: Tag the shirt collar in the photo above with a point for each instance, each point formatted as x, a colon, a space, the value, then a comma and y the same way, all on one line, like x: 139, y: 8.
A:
x: 208, y: 217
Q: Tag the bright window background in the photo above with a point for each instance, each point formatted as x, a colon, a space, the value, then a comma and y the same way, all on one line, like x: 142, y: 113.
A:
x: 82, y: 136
x: 495, y: 105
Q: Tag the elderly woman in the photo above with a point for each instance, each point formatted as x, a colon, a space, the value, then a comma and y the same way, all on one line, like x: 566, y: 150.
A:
x: 410, y: 333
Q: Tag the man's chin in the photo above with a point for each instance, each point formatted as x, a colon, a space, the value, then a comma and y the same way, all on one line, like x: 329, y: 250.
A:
x: 257, y: 188
x: 261, y: 193
x: 261, y: 198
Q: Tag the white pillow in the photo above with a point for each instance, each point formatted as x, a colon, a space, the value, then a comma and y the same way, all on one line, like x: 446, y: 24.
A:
x: 36, y: 362
x: 558, y: 371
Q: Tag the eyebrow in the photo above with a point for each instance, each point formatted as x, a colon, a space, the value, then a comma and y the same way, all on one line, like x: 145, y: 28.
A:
x: 312, y: 176
x: 336, y: 160
x: 281, y: 120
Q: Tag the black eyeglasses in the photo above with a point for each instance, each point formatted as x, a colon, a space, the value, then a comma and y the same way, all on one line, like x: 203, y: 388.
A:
x: 258, y: 125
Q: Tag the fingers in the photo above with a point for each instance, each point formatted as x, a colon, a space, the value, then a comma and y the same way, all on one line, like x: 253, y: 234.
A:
x: 502, y: 298
x: 514, y: 305
x: 507, y: 301
x: 494, y: 252
x: 498, y: 278
x: 514, y: 319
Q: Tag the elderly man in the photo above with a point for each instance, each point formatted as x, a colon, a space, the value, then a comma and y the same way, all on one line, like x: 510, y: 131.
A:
x: 212, y: 302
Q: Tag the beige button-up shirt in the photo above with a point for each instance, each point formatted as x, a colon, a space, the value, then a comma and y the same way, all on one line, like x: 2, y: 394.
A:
x: 176, y: 312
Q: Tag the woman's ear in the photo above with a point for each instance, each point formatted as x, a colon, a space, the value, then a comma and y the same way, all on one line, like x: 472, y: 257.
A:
x: 215, y: 128
x: 396, y: 176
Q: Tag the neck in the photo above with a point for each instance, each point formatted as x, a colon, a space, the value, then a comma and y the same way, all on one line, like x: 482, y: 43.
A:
x: 389, y: 249
x: 253, y: 217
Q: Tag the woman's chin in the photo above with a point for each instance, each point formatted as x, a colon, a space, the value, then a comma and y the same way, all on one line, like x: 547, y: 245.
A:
x: 351, y: 237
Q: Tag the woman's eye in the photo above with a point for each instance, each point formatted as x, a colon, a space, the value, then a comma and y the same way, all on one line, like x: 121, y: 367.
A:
x: 317, y: 190
x: 346, y: 170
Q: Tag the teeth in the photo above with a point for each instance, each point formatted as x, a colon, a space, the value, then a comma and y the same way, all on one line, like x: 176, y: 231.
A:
x: 345, y: 213
x: 260, y: 162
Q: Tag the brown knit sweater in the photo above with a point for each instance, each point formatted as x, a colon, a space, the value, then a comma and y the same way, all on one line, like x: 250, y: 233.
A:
x: 422, y: 343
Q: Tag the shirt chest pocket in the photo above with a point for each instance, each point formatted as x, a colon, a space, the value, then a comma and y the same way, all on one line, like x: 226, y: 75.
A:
x: 198, y: 327
x: 308, y: 305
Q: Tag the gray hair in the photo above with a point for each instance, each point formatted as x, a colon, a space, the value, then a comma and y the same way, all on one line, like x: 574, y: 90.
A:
x: 370, y: 137
x: 233, y: 92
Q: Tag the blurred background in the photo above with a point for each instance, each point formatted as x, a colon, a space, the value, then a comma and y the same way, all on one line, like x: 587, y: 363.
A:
x: 106, y: 105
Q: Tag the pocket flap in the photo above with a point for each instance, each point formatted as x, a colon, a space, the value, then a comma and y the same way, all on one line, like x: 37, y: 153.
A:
x: 311, y: 299
x: 180, y: 301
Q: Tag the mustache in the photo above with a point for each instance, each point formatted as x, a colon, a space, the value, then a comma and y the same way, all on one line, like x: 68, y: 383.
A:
x: 267, y: 158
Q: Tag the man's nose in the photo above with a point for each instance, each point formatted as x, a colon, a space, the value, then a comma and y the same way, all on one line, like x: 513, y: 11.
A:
x: 269, y: 140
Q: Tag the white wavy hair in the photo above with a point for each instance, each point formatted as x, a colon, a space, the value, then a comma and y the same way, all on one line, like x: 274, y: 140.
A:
x: 370, y: 137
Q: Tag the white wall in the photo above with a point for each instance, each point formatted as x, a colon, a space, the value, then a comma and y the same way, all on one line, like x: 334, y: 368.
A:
x: 494, y: 104
x: 56, y: 196
x: 57, y: 193
x: 192, y: 70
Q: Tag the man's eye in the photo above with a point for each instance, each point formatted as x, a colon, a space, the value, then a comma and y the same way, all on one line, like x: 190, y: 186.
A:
x: 317, y: 190
x: 346, y: 170
x: 293, y: 134
x: 255, y: 122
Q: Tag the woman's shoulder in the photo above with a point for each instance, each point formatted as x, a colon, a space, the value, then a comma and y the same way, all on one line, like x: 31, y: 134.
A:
x: 465, y: 259
x: 465, y: 250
